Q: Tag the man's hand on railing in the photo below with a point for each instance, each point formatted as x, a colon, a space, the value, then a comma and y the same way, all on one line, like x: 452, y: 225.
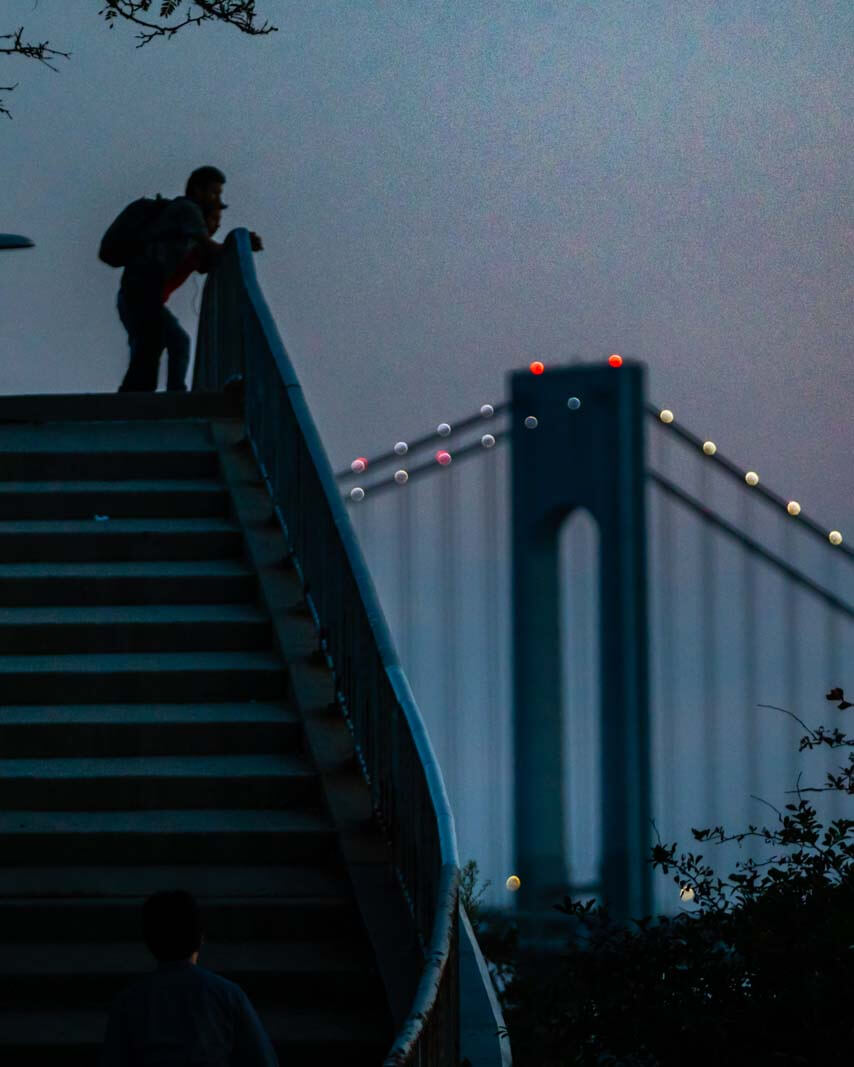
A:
x: 255, y: 242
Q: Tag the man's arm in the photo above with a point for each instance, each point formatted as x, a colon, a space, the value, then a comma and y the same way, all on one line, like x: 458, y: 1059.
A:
x: 209, y: 253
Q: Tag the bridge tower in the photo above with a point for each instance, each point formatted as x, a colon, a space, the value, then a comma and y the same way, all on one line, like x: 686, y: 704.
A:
x: 591, y: 456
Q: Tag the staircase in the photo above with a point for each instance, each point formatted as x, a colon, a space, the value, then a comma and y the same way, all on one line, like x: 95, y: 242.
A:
x: 166, y: 722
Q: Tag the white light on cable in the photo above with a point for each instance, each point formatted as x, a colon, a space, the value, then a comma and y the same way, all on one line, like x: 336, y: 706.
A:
x: 443, y: 429
x: 357, y: 494
x: 513, y: 882
x: 401, y: 477
x: 752, y: 478
x: 793, y: 507
x: 835, y: 537
x: 709, y: 447
x: 573, y: 403
x: 487, y: 410
x: 666, y: 415
x: 531, y: 422
x: 487, y: 440
x: 401, y: 448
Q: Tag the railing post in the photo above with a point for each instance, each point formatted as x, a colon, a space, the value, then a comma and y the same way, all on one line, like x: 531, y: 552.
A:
x: 588, y: 456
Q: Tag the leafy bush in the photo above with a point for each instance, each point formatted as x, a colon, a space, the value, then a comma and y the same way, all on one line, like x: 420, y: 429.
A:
x: 760, y: 972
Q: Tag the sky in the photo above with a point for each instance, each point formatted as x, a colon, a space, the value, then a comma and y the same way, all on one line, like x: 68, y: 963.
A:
x: 447, y: 191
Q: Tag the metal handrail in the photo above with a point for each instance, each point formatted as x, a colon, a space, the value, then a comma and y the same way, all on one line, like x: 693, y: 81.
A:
x: 238, y: 340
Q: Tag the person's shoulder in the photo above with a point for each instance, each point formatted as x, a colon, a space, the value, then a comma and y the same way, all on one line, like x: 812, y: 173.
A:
x: 218, y: 982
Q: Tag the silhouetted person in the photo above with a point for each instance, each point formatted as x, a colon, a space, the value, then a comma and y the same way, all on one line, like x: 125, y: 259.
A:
x: 182, y: 1015
x: 178, y: 230
x: 175, y: 338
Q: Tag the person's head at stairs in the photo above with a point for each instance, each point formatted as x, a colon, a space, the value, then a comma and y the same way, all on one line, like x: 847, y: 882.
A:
x: 172, y: 926
x: 205, y: 187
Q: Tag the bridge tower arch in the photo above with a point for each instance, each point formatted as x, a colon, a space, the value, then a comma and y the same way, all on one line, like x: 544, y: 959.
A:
x: 592, y: 456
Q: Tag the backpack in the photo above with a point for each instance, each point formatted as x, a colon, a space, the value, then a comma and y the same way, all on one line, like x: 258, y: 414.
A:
x: 125, y: 239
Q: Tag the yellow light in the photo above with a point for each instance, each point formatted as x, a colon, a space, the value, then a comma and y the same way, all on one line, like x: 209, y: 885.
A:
x: 835, y: 537
x: 686, y: 893
x: 793, y: 507
x: 666, y: 415
x: 752, y: 478
x: 709, y: 447
x: 513, y: 882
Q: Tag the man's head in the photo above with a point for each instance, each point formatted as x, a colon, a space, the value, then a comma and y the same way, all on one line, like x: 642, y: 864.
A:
x: 171, y: 926
x: 205, y: 186
x: 213, y: 217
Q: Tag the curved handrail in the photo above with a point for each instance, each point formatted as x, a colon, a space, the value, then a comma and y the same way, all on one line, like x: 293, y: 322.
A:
x: 238, y: 339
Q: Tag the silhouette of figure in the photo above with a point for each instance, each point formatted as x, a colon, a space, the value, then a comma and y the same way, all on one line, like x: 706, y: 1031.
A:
x: 179, y: 230
x: 182, y: 1015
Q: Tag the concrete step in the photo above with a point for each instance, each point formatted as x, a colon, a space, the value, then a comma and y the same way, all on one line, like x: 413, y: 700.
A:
x: 134, y: 628
x: 119, y: 539
x: 225, y: 920
x: 22, y: 500
x: 302, y: 1037
x: 336, y: 973
x: 30, y: 730
x: 122, y: 464
x: 109, y: 883
x: 281, y: 781
x: 169, y: 836
x: 190, y: 581
x: 142, y: 678
x: 139, y: 410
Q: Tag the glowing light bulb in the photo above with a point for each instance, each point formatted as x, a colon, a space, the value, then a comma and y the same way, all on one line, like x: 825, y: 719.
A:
x: 686, y: 893
x: 487, y: 440
x: 835, y: 537
x: 752, y: 478
x: 443, y: 429
x: 487, y: 410
x: 793, y: 507
x: 615, y: 360
x: 359, y: 465
x: 444, y: 458
x: 513, y: 882
x: 401, y: 448
x: 357, y: 494
x: 537, y: 367
x: 401, y: 477
x: 709, y: 447
x: 573, y: 403
x: 666, y: 415
x: 531, y: 422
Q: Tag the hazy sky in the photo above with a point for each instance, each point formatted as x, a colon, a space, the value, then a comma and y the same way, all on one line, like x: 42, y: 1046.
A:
x: 448, y: 190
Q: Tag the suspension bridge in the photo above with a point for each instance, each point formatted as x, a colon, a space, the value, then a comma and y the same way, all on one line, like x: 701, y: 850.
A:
x: 590, y: 619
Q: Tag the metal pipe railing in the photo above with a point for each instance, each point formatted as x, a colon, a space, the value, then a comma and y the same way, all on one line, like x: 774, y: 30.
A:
x: 238, y: 339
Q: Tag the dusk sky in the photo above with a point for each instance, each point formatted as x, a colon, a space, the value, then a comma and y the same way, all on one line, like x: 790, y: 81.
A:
x: 447, y: 191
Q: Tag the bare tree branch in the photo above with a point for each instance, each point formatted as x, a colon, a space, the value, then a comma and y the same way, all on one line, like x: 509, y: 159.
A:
x: 237, y: 13
x: 30, y: 51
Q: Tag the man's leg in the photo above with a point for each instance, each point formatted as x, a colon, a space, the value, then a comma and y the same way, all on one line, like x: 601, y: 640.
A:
x: 141, y: 312
x: 178, y: 348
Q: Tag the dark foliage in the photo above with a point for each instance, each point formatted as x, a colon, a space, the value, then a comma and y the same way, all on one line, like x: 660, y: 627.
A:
x: 760, y: 971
